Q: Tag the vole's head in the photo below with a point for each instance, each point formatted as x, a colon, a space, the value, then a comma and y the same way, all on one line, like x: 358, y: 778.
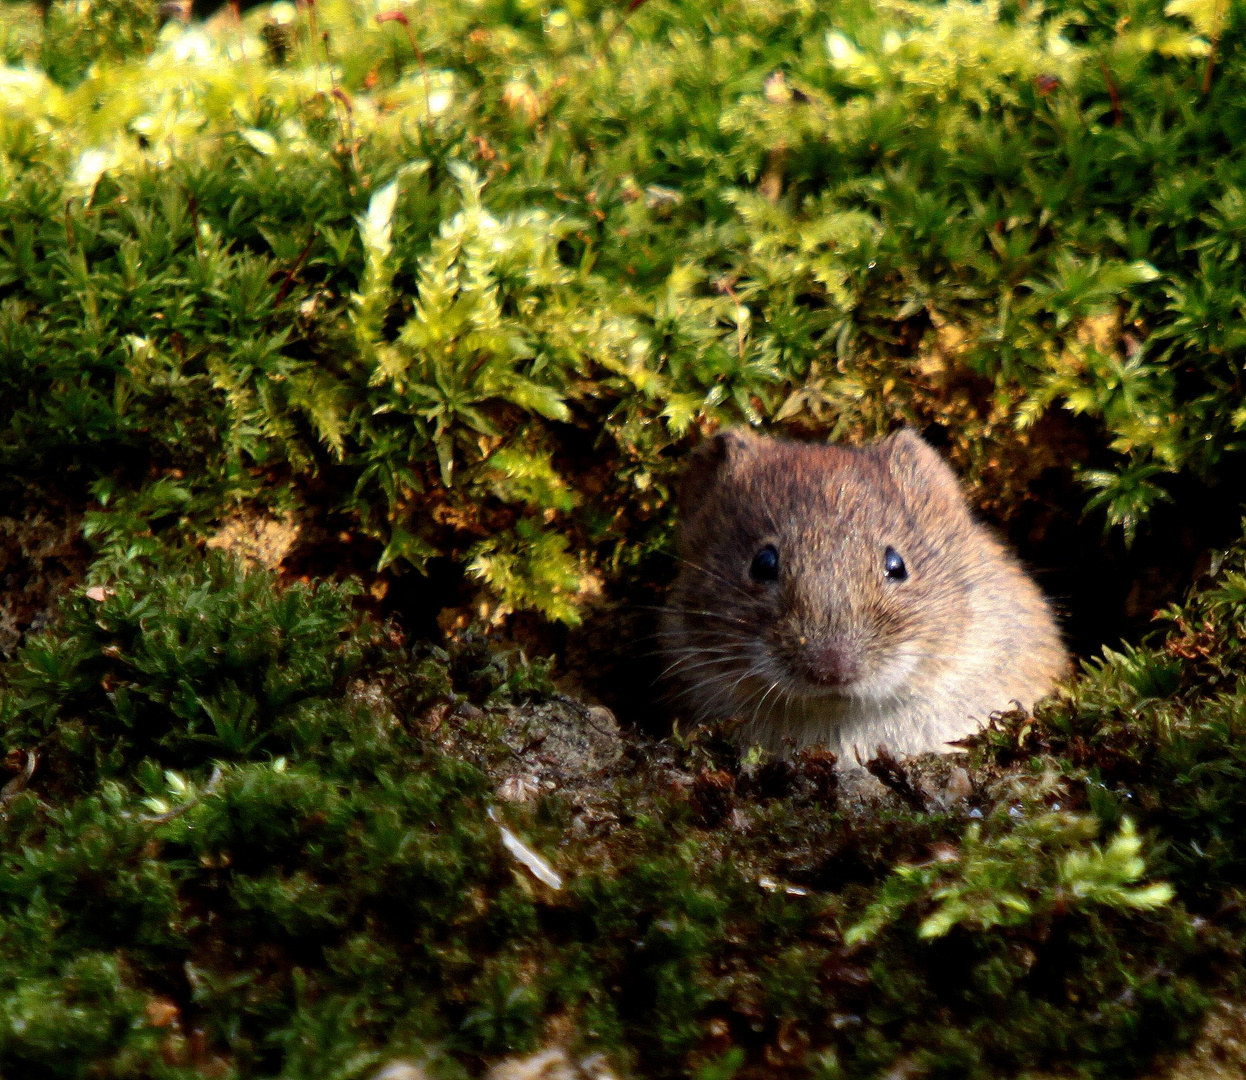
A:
x: 812, y: 571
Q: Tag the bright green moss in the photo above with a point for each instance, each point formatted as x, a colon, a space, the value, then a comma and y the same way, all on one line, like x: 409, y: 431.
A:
x: 478, y: 312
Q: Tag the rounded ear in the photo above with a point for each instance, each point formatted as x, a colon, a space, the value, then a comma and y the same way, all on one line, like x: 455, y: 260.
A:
x: 712, y: 459
x: 917, y: 466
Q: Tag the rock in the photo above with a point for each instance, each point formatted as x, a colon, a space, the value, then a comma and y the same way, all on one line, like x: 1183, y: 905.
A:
x: 256, y: 538
x: 553, y: 1064
x: 560, y: 742
x: 400, y: 1070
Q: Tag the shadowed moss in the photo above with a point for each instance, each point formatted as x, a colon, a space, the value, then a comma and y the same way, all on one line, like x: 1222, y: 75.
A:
x: 252, y: 838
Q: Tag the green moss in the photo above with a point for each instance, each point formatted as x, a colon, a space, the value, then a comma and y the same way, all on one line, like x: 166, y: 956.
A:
x: 464, y: 302
x: 317, y: 882
x: 478, y: 313
x: 79, y: 33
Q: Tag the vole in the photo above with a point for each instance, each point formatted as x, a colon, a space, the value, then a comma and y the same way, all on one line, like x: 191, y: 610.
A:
x: 845, y: 597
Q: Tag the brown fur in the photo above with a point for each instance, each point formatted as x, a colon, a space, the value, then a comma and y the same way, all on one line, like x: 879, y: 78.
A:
x: 833, y: 652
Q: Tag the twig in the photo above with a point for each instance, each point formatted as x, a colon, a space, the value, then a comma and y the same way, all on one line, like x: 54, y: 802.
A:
x: 340, y: 95
x: 193, y: 206
x: 17, y: 785
x: 631, y: 7
x: 400, y: 17
x: 315, y: 32
x: 1211, y: 65
x: 288, y: 281
x: 1113, y: 93
x: 892, y: 775
x: 236, y: 8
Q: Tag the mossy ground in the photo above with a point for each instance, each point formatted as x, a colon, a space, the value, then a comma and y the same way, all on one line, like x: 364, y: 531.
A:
x: 254, y: 839
x: 423, y: 311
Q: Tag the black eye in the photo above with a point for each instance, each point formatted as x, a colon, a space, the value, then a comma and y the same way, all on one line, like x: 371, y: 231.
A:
x: 765, y: 566
x: 893, y: 566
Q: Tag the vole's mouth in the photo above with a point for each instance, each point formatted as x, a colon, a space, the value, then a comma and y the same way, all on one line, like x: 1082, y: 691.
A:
x: 831, y: 666
x: 843, y: 674
x: 774, y: 681
x: 816, y: 690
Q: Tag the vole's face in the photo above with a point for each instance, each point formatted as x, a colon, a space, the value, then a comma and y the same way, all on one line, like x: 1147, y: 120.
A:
x: 816, y: 571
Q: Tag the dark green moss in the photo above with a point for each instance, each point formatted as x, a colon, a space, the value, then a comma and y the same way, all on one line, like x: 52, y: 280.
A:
x: 329, y: 886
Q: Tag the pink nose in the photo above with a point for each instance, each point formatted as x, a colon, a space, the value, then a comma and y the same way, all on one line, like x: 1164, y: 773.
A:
x: 832, y: 665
